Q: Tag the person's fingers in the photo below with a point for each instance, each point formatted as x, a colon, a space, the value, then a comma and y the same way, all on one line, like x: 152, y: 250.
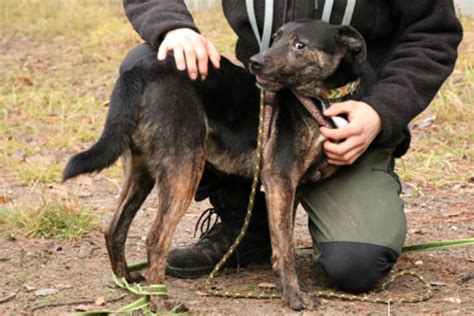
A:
x: 341, y: 132
x: 344, y: 147
x: 190, y: 54
x: 214, y: 55
x: 202, y: 57
x: 349, y: 158
x: 179, y: 58
x: 163, y: 50
x: 339, y: 108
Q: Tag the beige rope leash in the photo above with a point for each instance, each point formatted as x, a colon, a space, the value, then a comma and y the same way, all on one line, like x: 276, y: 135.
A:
x: 253, y: 191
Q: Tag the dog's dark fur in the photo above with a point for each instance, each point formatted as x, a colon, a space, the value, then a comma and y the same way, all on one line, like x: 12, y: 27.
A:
x: 168, y: 127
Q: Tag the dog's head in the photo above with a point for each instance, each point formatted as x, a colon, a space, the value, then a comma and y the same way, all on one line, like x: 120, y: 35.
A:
x: 306, y: 52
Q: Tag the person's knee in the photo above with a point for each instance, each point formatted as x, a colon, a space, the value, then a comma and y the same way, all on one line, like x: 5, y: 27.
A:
x: 356, y: 267
x: 135, y: 54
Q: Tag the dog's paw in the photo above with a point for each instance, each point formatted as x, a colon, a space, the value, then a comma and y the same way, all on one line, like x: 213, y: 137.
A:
x: 165, y: 304
x: 135, y: 277
x: 298, y: 300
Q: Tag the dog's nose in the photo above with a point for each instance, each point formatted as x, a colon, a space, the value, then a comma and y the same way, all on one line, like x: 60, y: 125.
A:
x: 255, y: 63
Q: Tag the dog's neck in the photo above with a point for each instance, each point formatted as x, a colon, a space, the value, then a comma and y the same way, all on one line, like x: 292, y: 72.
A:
x: 344, y: 74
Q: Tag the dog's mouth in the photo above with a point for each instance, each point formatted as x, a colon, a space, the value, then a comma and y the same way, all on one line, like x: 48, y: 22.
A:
x: 267, y: 84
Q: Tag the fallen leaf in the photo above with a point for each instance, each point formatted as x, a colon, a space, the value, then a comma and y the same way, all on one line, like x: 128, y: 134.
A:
x: 24, y: 80
x: 45, y: 292
x: 5, y: 199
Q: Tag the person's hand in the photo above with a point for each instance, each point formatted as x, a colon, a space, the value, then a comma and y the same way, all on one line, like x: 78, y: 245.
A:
x: 192, y: 51
x: 364, y: 125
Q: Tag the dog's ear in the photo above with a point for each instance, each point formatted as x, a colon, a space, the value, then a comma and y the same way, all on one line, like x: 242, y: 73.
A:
x: 353, y: 42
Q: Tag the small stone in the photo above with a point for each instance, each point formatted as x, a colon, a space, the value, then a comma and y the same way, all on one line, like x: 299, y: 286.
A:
x: 437, y: 283
x: 426, y: 122
x: 29, y: 288
x: 45, y: 292
x: 100, y: 301
x: 64, y: 286
x: 455, y: 300
x: 419, y: 263
x: 201, y: 293
x: 82, y: 308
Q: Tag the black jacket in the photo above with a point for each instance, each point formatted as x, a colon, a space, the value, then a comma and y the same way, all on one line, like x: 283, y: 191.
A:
x: 411, y: 44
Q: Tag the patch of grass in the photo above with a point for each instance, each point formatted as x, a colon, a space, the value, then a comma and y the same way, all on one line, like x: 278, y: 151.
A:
x: 22, y: 277
x: 442, y: 153
x: 37, y: 172
x: 45, y: 19
x: 50, y: 220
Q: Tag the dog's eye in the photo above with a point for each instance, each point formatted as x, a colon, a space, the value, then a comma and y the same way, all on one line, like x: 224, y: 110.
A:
x: 300, y: 45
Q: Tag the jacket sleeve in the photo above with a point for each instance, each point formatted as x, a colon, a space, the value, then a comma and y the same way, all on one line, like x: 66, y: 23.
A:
x: 152, y: 19
x: 420, y: 61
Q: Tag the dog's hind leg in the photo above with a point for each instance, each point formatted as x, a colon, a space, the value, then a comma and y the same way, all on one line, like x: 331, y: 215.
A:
x: 177, y: 185
x: 137, y: 186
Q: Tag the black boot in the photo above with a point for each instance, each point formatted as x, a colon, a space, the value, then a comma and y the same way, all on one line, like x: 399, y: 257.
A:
x: 230, y: 204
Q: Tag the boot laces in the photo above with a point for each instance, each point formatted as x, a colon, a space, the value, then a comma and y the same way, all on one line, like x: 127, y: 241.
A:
x: 206, y: 229
x: 203, y: 224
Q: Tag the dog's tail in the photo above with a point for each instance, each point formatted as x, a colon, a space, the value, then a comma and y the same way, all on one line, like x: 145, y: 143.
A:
x: 119, y: 127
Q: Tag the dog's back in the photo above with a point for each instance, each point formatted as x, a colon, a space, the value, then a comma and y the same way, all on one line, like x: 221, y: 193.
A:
x: 154, y: 98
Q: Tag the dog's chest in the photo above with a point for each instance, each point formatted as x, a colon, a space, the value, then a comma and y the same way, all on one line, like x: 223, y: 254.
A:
x: 295, y: 143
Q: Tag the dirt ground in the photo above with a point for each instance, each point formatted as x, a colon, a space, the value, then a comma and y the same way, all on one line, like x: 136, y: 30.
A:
x: 80, y: 271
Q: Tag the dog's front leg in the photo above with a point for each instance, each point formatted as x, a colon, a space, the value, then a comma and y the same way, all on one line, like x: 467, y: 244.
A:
x: 280, y: 195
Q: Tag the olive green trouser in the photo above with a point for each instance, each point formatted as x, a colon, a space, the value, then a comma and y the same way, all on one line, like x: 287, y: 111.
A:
x: 359, y: 203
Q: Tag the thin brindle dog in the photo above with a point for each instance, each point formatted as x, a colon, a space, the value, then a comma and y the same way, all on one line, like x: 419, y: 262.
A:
x: 168, y: 128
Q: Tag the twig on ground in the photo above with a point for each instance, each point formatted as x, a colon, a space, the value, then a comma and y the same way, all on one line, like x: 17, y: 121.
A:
x: 7, y: 298
x: 74, y: 303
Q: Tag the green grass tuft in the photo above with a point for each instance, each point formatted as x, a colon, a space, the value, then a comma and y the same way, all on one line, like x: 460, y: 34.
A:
x: 36, y: 172
x: 49, y: 220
